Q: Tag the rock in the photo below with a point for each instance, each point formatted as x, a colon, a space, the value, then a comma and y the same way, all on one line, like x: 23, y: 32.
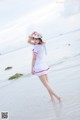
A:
x: 15, y: 76
x: 8, y: 68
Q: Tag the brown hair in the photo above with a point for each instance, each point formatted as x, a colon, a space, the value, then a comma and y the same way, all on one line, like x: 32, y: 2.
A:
x: 41, y: 41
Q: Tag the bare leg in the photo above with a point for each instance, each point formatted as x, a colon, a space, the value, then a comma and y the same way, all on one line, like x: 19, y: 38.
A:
x: 47, y: 85
x: 59, y: 98
x: 46, y: 80
x: 52, y: 98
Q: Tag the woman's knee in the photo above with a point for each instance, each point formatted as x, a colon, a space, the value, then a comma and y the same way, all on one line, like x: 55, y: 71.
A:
x: 43, y: 79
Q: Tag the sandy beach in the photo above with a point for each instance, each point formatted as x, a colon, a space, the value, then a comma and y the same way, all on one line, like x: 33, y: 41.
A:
x: 26, y: 98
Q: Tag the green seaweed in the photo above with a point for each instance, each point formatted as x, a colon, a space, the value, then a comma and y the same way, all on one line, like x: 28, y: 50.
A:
x: 8, y: 68
x: 15, y: 76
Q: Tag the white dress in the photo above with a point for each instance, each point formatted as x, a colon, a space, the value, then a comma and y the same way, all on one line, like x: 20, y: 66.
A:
x: 40, y: 66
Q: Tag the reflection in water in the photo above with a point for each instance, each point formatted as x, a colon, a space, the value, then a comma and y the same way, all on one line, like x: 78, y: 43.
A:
x: 57, y: 108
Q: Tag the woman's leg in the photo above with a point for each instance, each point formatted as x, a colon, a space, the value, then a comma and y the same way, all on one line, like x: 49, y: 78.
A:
x: 43, y: 78
x: 50, y: 86
x: 52, y: 98
x: 47, y: 85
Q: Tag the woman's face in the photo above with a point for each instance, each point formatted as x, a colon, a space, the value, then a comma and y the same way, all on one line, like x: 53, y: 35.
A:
x: 36, y: 41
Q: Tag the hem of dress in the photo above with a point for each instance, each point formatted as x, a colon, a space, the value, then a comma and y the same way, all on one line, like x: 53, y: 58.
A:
x: 42, y: 70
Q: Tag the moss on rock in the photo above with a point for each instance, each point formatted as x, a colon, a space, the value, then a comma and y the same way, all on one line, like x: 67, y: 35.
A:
x: 15, y: 76
x: 8, y: 68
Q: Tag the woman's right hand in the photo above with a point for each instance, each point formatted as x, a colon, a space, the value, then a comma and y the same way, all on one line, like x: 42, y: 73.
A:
x: 30, y: 40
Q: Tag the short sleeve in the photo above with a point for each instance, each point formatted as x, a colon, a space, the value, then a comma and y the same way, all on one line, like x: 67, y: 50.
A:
x: 35, y: 50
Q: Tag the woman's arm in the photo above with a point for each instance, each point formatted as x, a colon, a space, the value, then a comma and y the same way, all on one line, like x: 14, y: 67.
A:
x: 33, y: 62
x: 30, y: 41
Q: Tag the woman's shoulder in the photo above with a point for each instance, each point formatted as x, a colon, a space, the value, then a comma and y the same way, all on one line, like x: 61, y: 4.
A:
x: 36, y: 46
x: 39, y: 46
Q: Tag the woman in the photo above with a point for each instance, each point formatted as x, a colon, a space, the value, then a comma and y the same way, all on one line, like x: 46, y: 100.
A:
x: 39, y: 66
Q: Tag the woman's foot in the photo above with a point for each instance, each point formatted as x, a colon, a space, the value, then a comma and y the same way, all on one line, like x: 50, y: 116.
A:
x: 59, y: 99
x: 52, y: 98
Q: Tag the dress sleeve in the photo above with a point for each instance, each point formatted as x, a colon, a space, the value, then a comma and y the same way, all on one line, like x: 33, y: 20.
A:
x: 35, y: 50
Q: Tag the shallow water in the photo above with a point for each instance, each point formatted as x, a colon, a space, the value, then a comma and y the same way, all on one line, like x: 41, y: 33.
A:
x: 26, y: 98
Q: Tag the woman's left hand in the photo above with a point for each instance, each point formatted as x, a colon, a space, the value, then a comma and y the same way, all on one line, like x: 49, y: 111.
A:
x: 33, y: 72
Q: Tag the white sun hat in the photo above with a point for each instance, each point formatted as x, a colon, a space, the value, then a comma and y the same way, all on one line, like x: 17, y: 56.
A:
x: 36, y: 35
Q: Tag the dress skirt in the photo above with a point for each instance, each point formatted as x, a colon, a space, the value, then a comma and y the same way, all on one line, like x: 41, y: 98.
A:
x: 41, y: 69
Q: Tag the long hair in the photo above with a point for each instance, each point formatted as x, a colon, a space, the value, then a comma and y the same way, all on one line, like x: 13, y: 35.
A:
x: 41, y: 41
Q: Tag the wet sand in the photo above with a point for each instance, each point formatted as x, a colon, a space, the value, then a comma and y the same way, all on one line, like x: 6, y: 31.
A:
x: 27, y: 99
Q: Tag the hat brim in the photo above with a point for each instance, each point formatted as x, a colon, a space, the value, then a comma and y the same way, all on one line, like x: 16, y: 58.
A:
x: 33, y: 37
